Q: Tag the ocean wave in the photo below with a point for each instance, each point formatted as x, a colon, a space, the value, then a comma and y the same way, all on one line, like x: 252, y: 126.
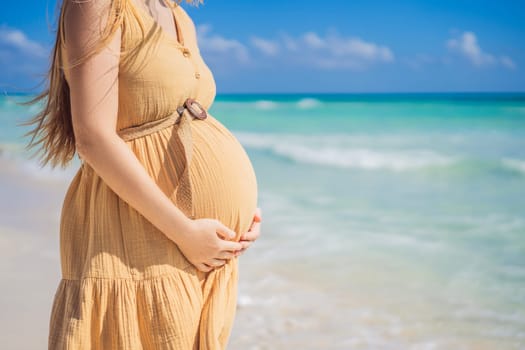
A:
x: 15, y: 162
x: 514, y: 164
x: 265, y: 104
x: 308, y: 103
x: 365, y: 158
x: 10, y: 149
x: 303, y: 150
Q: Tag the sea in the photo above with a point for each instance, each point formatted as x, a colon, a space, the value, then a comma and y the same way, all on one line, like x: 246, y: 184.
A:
x: 389, y: 221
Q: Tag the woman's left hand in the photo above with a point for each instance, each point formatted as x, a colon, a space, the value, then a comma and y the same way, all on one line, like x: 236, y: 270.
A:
x: 253, y: 232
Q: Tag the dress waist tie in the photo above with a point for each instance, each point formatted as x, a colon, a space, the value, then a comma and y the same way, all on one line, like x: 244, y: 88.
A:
x: 182, y: 117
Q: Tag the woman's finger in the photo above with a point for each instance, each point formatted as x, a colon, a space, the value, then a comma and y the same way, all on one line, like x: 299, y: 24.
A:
x: 226, y: 254
x: 245, y: 244
x: 226, y: 246
x: 203, y: 267
x: 252, y: 234
x: 256, y: 218
x: 224, y: 231
x: 258, y: 214
x: 216, y: 262
x: 240, y: 252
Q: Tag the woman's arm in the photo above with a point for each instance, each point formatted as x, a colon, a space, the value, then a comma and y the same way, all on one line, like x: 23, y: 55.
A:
x: 94, y: 106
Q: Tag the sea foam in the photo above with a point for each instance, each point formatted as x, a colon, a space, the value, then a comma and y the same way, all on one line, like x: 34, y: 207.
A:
x: 265, y: 105
x: 308, y: 103
x: 325, y: 152
x: 514, y: 164
x: 15, y: 161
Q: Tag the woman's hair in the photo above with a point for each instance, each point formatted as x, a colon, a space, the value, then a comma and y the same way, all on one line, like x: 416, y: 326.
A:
x: 53, y: 129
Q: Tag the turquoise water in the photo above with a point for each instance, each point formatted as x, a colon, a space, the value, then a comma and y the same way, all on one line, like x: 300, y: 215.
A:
x: 403, y: 214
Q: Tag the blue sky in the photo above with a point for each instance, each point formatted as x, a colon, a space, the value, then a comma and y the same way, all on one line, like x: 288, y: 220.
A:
x: 313, y: 46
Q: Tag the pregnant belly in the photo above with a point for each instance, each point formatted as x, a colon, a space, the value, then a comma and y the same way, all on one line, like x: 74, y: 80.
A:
x: 224, y: 181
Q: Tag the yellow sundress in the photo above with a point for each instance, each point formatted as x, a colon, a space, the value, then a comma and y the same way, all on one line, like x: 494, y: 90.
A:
x: 124, y: 284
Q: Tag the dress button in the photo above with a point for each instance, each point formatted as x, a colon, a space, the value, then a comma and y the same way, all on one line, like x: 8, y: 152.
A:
x: 197, y: 75
x: 186, y: 52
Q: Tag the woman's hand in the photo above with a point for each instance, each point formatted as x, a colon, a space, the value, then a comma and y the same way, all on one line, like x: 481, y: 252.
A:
x: 206, y: 244
x: 253, y: 232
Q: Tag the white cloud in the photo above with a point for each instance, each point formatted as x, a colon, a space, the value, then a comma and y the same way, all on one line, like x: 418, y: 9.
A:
x: 21, y: 59
x: 288, y: 42
x: 350, y: 47
x: 507, y: 62
x: 332, y: 51
x: 335, y: 51
x: 467, y: 45
x: 16, y: 39
x: 268, y: 47
x: 216, y: 44
x: 313, y: 40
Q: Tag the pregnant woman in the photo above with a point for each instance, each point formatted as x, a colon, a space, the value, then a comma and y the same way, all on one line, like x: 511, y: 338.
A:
x: 165, y: 199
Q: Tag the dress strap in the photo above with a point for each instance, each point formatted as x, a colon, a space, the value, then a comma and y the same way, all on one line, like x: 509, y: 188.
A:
x: 173, y: 5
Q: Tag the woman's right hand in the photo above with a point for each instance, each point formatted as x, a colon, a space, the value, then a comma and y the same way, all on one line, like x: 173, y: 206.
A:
x: 206, y: 243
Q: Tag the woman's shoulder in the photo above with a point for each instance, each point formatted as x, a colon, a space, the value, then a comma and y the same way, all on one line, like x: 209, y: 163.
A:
x: 89, y: 21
